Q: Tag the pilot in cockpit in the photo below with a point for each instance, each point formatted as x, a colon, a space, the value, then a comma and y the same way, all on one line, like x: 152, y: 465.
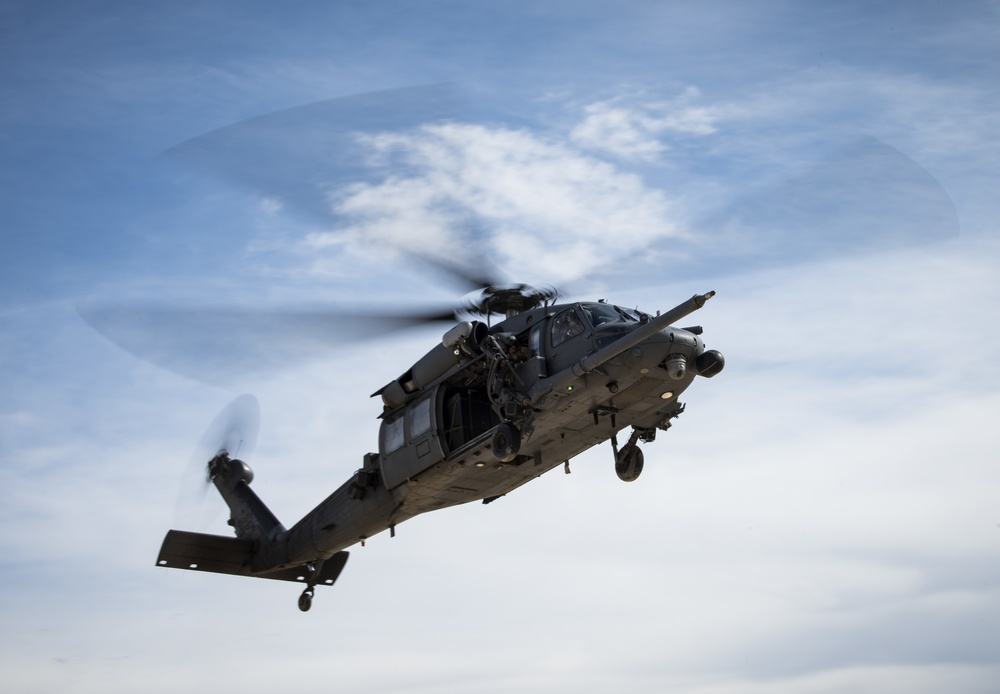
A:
x: 566, y: 325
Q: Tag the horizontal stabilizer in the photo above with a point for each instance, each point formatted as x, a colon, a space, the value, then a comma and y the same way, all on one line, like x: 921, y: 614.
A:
x: 233, y: 555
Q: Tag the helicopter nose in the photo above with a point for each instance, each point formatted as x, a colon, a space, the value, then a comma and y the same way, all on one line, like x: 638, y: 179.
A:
x: 685, y: 352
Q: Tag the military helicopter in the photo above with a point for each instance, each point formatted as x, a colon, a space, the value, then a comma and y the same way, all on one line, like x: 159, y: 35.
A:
x: 488, y: 409
x: 519, y: 383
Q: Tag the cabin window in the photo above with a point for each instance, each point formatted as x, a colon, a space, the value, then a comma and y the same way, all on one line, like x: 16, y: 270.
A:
x: 420, y: 418
x: 566, y: 325
x: 392, y: 435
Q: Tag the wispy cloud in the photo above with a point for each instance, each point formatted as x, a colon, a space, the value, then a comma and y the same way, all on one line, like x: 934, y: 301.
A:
x: 547, y: 207
x: 636, y: 131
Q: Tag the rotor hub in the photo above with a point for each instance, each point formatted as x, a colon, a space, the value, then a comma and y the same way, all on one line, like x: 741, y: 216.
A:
x: 509, y: 300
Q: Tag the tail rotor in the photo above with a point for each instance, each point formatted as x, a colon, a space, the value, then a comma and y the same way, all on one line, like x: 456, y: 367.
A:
x: 233, y: 432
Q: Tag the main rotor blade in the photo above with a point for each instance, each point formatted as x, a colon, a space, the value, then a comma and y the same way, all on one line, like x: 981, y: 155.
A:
x: 868, y: 198
x: 298, y: 157
x: 219, y: 344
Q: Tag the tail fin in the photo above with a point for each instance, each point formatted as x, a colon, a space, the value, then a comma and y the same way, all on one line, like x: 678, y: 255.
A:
x: 257, y: 548
x: 234, y: 556
x: 250, y: 518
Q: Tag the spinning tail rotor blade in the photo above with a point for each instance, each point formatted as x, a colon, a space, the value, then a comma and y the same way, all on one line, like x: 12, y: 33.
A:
x: 233, y: 430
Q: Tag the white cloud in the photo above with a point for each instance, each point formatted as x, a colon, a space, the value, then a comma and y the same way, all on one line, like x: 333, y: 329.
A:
x: 271, y: 205
x: 551, y: 211
x: 636, y: 132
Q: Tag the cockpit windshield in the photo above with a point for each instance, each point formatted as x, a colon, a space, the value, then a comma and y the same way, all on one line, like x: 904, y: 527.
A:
x: 630, y: 314
x: 600, y: 314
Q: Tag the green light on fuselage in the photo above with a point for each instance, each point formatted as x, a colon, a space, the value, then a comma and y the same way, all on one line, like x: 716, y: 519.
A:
x: 569, y: 389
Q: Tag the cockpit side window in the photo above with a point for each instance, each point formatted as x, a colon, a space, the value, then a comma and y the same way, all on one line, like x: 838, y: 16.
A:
x: 630, y: 314
x: 566, y: 325
x: 599, y: 314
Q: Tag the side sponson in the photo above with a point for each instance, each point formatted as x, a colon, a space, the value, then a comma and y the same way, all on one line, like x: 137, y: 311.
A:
x: 233, y: 555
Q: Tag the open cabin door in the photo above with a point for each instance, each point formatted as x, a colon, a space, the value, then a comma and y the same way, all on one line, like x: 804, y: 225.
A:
x: 467, y: 414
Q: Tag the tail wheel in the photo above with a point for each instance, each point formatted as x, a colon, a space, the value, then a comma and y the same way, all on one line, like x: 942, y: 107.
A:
x: 506, y: 442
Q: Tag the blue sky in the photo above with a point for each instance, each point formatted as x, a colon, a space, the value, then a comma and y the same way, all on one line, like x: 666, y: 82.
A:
x: 823, y: 517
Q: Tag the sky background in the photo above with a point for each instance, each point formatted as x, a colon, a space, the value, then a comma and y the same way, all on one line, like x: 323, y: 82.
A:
x: 824, y: 517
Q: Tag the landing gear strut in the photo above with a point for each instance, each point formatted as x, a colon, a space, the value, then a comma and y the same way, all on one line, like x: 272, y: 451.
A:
x: 306, y: 599
x: 628, y: 460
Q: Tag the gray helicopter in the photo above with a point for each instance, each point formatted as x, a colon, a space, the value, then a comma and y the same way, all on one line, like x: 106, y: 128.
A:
x: 488, y: 409
x: 519, y: 383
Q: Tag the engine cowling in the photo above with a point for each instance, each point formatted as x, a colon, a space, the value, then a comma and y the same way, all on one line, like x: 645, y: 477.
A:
x: 460, y: 343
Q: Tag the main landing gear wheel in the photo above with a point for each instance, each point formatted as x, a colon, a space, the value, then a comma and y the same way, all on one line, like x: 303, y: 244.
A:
x: 306, y: 599
x: 506, y: 442
x: 628, y: 463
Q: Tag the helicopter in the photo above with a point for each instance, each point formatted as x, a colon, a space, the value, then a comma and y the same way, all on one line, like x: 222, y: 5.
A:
x: 486, y: 410
x: 520, y: 381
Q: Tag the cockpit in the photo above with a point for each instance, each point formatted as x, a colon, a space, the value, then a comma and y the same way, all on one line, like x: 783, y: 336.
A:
x: 607, y: 321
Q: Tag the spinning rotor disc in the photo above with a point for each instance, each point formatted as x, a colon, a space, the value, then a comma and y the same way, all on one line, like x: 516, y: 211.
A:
x: 305, y: 157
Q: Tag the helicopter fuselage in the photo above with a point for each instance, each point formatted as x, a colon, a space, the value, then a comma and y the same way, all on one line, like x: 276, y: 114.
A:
x: 528, y: 377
